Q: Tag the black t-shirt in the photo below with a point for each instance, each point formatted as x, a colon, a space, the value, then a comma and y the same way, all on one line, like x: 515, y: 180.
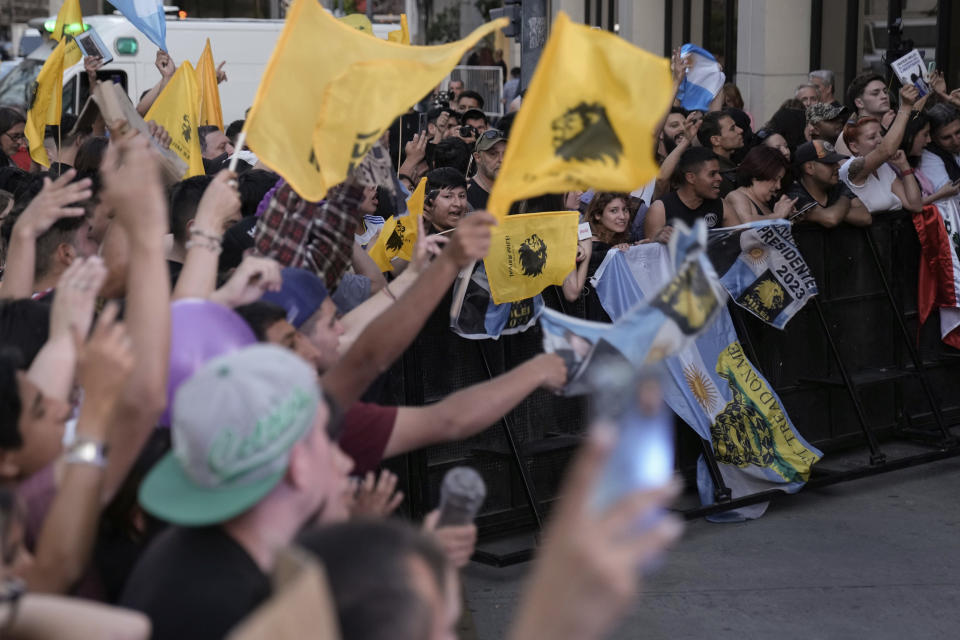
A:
x: 798, y: 191
x: 195, y: 583
x: 711, y: 211
x: 477, y: 196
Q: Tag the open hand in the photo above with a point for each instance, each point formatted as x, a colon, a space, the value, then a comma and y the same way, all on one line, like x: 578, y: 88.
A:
x: 254, y: 277
x: 54, y: 202
x: 376, y: 497
x: 76, y: 297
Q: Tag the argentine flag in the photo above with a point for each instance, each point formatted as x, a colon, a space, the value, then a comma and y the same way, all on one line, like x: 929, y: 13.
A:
x: 703, y: 80
x: 147, y: 16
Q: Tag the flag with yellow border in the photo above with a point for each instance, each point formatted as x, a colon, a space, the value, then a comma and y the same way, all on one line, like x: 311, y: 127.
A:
x: 399, y: 235
x: 176, y: 110
x: 69, y: 15
x: 530, y: 252
x: 401, y: 35
x: 47, y: 105
x: 330, y: 91
x: 211, y: 112
x: 587, y: 120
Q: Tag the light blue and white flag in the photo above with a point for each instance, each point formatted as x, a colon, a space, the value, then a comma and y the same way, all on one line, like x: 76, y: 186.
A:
x: 702, y: 81
x: 762, y: 269
x: 687, y: 301
x: 147, y: 16
x: 715, y: 389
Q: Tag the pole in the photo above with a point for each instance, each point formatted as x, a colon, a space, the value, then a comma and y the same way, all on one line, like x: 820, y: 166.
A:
x: 533, y: 35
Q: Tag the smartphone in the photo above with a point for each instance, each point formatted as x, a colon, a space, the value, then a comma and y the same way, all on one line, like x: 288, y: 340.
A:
x: 643, y: 458
x: 802, y: 210
x: 91, y: 44
x: 423, y: 123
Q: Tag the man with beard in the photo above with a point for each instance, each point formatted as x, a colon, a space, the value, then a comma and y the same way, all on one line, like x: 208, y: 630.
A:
x: 488, y: 156
x: 818, y: 165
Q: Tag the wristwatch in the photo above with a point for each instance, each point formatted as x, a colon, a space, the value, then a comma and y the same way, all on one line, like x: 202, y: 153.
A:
x: 86, y: 451
x: 11, y: 590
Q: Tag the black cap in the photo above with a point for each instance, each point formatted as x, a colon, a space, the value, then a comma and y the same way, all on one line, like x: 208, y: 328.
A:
x: 818, y: 151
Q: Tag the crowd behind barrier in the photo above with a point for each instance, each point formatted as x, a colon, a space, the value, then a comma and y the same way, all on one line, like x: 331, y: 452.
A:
x: 797, y: 361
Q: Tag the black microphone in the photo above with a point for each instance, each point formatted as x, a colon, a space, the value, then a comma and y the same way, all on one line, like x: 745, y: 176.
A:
x: 461, y: 495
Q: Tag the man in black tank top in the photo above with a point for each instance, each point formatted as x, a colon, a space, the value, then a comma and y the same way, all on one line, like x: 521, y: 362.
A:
x: 698, y: 197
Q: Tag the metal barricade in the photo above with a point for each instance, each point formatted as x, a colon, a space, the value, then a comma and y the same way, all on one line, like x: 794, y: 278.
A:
x: 487, y: 81
x: 842, y: 367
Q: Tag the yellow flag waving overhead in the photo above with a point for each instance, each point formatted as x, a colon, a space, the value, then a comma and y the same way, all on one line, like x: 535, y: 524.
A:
x: 401, y: 35
x: 47, y: 104
x: 330, y: 91
x: 587, y: 120
x: 176, y: 111
x: 69, y: 19
x: 210, y: 111
x: 530, y: 252
x: 400, y: 234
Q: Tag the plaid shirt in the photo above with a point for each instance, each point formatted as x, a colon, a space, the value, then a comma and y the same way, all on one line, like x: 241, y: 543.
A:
x: 308, y: 235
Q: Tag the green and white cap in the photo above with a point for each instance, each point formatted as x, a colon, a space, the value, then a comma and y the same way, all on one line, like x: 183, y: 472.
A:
x: 233, y: 422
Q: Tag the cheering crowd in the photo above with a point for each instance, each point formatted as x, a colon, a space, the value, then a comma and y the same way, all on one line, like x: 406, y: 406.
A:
x: 190, y: 372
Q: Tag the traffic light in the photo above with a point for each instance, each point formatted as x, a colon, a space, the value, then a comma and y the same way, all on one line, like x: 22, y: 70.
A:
x: 511, y: 9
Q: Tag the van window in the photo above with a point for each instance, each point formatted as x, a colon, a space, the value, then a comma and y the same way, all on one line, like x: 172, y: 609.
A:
x: 70, y: 97
x: 113, y: 75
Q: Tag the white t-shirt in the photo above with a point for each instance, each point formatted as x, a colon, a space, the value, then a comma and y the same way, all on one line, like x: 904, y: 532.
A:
x: 933, y: 169
x: 876, y: 193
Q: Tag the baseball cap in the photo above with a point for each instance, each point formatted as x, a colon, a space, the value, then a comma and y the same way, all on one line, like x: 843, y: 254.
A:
x: 821, y: 111
x: 301, y: 295
x: 818, y: 151
x: 234, y: 423
x: 489, y: 138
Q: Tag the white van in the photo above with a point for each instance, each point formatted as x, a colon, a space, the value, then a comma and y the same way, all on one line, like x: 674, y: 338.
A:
x: 245, y: 44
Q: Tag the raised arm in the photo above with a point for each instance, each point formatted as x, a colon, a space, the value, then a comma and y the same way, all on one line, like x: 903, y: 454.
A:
x: 357, y: 320
x: 220, y: 201
x: 392, y: 332
x: 167, y: 68
x: 655, y: 221
x: 471, y: 410
x: 134, y: 188
x: 860, y: 168
x: 70, y: 527
x: 575, y: 282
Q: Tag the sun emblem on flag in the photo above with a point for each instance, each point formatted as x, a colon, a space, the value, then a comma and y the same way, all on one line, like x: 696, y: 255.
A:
x: 757, y: 256
x: 702, y: 387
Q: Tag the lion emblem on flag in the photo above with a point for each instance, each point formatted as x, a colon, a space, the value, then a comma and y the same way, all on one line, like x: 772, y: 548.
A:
x: 395, y: 241
x: 533, y: 256
x: 186, y: 129
x: 584, y: 133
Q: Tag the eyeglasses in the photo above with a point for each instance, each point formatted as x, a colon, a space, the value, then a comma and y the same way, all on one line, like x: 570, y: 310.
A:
x: 493, y: 134
x: 16, y: 137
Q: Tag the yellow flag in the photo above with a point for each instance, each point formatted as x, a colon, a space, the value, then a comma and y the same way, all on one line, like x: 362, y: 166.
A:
x: 530, y: 252
x: 210, y: 110
x: 47, y: 104
x: 176, y: 111
x: 587, y: 120
x: 401, y: 35
x: 400, y: 234
x: 69, y: 15
x: 311, y: 121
